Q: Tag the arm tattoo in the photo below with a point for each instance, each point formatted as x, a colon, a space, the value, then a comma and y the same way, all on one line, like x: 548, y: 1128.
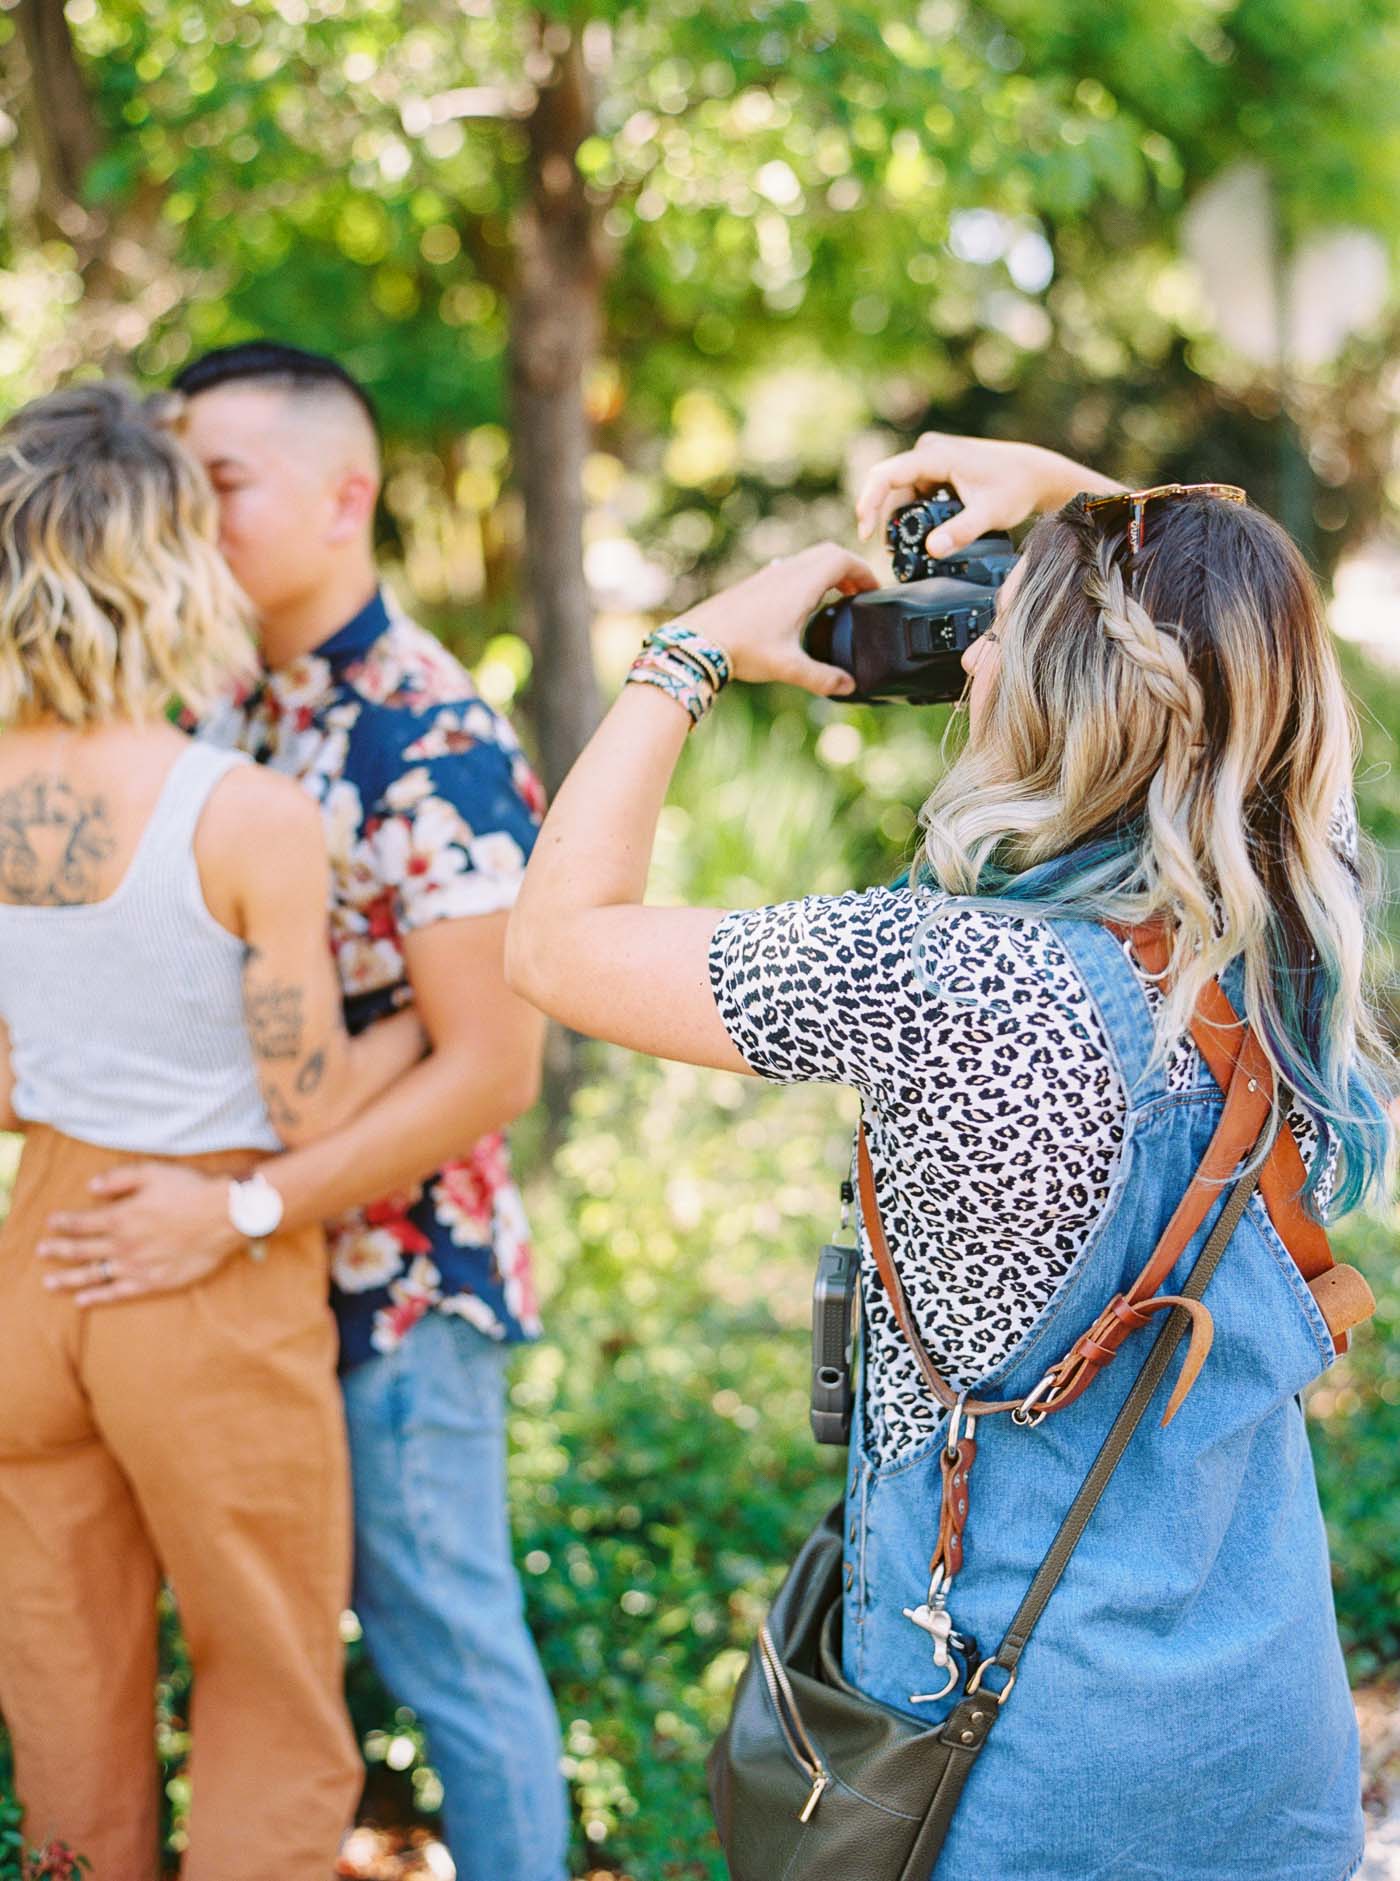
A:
x: 51, y: 844
x: 275, y: 1018
x: 311, y: 1073
x: 279, y: 1112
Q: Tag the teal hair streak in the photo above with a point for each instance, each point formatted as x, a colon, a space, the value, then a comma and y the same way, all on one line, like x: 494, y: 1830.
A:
x: 1348, y: 1100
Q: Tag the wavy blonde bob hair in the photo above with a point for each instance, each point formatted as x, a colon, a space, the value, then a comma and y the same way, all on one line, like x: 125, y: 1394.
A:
x: 114, y: 598
x: 1167, y: 735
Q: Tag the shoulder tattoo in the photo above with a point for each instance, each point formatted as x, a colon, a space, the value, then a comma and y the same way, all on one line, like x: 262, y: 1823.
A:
x: 52, y: 842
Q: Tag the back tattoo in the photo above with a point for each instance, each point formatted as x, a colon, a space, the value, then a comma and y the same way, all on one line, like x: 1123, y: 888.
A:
x: 52, y: 843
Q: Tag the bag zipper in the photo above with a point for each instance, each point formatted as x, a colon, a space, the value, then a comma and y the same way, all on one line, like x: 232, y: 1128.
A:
x: 803, y: 1751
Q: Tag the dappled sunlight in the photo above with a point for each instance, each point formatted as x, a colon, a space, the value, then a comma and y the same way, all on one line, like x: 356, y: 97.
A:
x: 641, y: 296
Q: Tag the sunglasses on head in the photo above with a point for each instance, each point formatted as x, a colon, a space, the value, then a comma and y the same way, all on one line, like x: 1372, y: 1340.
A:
x: 1131, y: 506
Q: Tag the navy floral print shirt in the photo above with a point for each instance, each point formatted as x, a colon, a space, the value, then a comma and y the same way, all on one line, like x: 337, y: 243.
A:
x: 430, y: 811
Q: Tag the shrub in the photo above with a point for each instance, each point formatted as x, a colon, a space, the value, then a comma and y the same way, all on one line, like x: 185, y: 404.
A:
x: 55, y: 1861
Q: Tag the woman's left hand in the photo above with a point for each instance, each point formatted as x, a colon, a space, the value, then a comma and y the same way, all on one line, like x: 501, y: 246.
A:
x: 759, y: 621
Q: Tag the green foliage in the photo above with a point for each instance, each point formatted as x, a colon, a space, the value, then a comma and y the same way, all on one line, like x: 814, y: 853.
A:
x: 663, y: 1470
x: 21, y: 1862
x: 1356, y: 1439
x: 784, y: 178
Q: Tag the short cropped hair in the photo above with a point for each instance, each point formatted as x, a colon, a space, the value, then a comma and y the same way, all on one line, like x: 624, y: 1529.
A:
x: 114, y: 598
x: 268, y: 362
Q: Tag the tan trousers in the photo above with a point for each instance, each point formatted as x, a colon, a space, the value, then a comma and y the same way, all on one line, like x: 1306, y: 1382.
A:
x: 196, y: 1435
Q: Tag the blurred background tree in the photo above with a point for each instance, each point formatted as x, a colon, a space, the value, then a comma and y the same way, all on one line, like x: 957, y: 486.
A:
x: 565, y: 244
x: 640, y: 290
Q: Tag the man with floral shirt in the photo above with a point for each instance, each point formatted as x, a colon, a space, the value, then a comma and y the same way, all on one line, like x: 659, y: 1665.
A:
x: 430, y: 810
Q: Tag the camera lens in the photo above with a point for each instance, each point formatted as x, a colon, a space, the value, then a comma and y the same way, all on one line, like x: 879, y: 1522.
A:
x: 817, y: 637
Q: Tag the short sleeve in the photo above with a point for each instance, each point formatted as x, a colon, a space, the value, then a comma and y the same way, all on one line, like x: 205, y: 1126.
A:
x: 1344, y: 829
x: 821, y: 990
x: 452, y: 832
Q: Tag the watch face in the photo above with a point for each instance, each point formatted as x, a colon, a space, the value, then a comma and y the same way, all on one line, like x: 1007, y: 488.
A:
x: 255, y: 1207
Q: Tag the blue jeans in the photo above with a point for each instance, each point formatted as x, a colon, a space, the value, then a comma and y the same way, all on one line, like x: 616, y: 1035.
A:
x: 437, y: 1595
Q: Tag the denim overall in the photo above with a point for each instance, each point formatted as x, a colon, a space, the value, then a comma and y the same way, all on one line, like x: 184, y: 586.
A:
x: 1181, y: 1712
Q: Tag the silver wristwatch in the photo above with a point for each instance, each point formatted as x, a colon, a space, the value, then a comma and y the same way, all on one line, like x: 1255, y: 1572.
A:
x: 255, y: 1209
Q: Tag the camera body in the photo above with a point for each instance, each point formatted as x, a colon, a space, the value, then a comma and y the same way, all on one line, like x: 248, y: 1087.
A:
x: 907, y: 642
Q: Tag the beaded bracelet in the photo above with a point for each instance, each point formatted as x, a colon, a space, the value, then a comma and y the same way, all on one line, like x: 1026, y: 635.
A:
x: 713, y: 661
x: 675, y: 677
x: 686, y: 668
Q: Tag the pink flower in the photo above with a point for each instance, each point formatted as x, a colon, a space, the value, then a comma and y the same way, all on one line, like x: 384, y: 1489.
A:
x: 392, y: 1324
x: 491, y: 1161
x: 381, y: 920
x: 515, y: 1259
x: 390, y: 1217
x: 463, y: 1203
x: 530, y: 788
x: 55, y: 1861
x: 519, y: 1277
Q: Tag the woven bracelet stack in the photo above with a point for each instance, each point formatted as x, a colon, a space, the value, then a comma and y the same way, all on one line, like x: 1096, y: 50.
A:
x: 679, y: 663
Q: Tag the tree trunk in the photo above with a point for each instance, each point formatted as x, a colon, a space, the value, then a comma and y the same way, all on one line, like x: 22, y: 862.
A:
x: 122, y: 252
x: 554, y: 330
x: 554, y: 325
x: 58, y: 114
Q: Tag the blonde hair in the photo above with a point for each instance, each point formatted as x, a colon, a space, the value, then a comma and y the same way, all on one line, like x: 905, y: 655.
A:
x: 1168, y: 736
x: 114, y: 598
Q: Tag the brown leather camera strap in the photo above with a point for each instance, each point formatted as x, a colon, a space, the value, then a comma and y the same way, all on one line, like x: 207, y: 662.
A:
x: 1244, y: 1073
x: 1247, y: 1107
x: 1282, y: 1179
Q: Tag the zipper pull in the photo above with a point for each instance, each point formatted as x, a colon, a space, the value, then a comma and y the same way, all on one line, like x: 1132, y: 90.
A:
x: 821, y: 1782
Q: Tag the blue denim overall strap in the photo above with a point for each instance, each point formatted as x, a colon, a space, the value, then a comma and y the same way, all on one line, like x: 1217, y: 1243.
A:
x: 1182, y: 1712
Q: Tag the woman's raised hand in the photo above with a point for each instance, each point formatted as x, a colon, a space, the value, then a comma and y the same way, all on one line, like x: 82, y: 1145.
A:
x: 1000, y: 484
x: 759, y: 621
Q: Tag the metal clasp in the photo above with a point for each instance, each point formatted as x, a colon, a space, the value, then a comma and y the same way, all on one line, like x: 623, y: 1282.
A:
x: 1022, y: 1414
x: 934, y: 1619
x: 960, y: 1425
x: 974, y: 1684
x: 932, y: 1698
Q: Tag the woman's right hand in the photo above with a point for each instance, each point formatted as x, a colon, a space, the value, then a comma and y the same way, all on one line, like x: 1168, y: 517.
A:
x: 1000, y: 484
x: 758, y: 621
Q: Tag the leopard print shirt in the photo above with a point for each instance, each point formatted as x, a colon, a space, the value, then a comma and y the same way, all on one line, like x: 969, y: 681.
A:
x: 994, y: 1108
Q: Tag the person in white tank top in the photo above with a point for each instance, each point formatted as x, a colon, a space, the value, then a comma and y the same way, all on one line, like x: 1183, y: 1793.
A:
x: 430, y: 809
x: 165, y: 989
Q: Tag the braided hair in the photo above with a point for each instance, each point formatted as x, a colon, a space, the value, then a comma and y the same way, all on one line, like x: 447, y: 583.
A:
x: 1167, y: 737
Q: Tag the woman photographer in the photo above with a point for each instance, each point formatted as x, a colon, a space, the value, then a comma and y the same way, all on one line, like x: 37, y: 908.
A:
x: 1158, y: 738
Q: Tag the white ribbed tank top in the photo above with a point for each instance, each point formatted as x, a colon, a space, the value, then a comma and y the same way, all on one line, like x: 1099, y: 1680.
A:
x: 126, y: 1015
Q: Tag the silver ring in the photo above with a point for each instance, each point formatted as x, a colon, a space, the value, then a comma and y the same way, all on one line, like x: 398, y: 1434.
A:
x: 104, y: 1272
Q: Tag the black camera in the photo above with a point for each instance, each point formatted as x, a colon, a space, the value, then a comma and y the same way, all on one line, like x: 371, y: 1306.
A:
x: 907, y: 642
